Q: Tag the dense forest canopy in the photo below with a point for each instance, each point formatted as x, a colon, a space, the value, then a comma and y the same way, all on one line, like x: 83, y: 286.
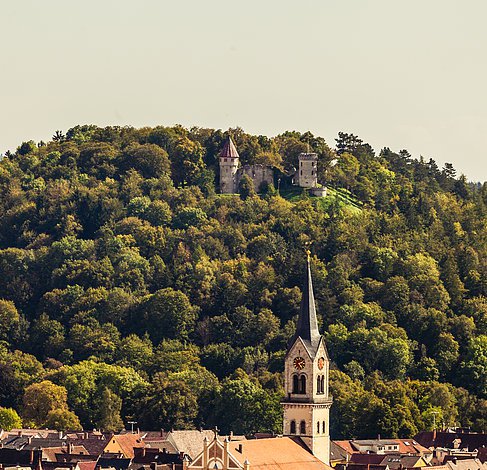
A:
x: 130, y: 289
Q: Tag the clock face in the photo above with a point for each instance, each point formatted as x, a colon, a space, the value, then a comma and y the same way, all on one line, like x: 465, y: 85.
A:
x: 299, y: 363
x: 321, y: 363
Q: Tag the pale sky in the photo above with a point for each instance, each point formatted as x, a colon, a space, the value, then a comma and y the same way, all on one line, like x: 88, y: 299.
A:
x: 402, y: 74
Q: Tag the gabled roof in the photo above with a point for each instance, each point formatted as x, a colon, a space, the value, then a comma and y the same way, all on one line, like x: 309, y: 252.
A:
x: 278, y: 453
x: 467, y: 464
x: 394, y: 461
x: 410, y: 446
x: 52, y: 453
x: 229, y: 150
x: 433, y: 439
x: 117, y: 463
x: 367, y: 459
x: 94, y: 446
x: 347, y: 446
x: 87, y: 465
x: 127, y: 442
x: 190, y: 442
x: 307, y: 327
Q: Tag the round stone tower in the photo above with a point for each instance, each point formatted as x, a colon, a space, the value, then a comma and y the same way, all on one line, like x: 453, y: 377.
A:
x: 229, y: 160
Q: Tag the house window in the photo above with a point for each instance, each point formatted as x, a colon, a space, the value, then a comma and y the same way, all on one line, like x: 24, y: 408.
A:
x: 312, y: 172
x: 293, y: 427
x: 224, y: 159
x: 302, y: 427
x: 301, y: 172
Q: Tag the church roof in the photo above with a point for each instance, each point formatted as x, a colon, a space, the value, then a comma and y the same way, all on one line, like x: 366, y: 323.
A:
x: 278, y: 453
x: 307, y: 327
x: 229, y: 150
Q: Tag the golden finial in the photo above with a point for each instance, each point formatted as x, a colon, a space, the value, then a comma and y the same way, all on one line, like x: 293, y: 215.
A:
x: 307, y: 250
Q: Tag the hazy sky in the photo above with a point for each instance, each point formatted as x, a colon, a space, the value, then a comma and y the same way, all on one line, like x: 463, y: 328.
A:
x: 403, y: 74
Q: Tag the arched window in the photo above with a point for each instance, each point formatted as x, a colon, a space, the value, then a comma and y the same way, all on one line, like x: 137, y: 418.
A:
x: 293, y: 427
x: 302, y: 427
x: 318, y: 384
x: 295, y: 384
x: 302, y: 384
x: 318, y: 427
x: 322, y: 384
x: 323, y: 428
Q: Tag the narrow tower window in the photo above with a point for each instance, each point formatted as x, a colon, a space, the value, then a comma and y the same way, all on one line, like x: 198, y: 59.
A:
x: 318, y: 427
x: 295, y: 384
x: 302, y: 427
x: 322, y: 384
x: 323, y: 428
x: 302, y: 383
x: 293, y: 427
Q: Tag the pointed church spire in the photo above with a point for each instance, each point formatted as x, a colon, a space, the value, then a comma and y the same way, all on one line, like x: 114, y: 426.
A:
x: 307, y: 327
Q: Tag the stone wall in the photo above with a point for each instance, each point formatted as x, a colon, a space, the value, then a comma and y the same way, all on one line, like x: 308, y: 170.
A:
x: 257, y: 173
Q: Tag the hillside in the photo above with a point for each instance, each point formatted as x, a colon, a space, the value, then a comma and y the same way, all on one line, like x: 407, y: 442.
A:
x: 131, y: 290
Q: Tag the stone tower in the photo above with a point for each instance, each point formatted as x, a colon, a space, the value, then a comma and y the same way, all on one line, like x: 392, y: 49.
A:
x: 308, y: 170
x: 229, y: 160
x: 306, y: 368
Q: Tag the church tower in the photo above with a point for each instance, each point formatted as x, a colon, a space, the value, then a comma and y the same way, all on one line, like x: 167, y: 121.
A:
x: 229, y: 159
x: 307, y: 403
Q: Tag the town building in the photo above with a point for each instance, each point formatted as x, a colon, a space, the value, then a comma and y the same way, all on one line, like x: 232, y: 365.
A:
x: 342, y: 450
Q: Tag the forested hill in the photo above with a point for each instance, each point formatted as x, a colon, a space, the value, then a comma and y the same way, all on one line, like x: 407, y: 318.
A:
x: 131, y: 290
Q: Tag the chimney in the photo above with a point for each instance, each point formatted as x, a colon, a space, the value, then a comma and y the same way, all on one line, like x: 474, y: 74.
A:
x: 142, y: 452
x: 181, y: 455
x: 29, y: 440
x: 162, y: 432
x: 70, y: 448
x: 231, y: 435
x: 60, y: 434
x: 19, y: 433
x: 31, y: 456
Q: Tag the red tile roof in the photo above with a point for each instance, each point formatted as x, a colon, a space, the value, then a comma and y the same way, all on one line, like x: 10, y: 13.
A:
x: 229, y: 150
x: 279, y: 453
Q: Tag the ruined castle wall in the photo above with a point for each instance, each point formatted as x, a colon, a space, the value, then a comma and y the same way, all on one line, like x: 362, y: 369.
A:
x: 258, y: 174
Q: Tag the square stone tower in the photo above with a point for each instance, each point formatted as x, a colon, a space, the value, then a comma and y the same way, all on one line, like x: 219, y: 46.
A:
x: 307, y: 170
